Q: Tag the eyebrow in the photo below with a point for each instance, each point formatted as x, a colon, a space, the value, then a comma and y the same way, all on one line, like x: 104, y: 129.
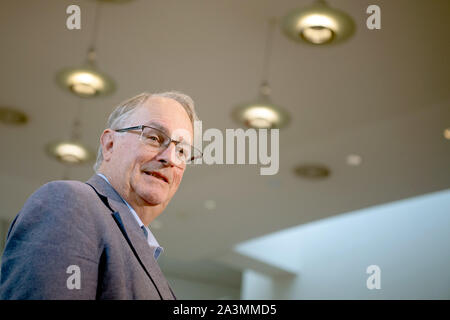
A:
x: 158, y: 126
x: 162, y: 128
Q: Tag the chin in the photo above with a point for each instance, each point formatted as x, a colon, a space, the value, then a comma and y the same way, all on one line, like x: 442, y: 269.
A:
x: 152, y: 193
x: 154, y: 197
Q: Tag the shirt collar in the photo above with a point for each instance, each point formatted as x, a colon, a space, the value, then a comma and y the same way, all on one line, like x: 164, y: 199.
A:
x: 151, y: 238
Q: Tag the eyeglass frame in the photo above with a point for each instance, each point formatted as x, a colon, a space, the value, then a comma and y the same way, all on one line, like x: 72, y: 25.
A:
x: 169, y: 139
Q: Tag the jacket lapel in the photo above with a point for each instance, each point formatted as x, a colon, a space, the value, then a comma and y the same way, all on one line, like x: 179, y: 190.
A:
x: 132, y: 233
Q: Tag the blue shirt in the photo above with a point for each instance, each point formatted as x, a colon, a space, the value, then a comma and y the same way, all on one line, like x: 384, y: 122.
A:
x: 150, y: 237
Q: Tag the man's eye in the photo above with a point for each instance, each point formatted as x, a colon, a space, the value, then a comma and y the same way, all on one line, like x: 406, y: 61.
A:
x: 153, y: 139
x: 183, y: 152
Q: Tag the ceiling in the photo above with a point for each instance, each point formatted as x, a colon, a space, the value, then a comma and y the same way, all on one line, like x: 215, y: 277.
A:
x: 384, y: 95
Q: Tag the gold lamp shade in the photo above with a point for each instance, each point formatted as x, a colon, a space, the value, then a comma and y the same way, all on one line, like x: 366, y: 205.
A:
x: 85, y: 82
x: 318, y: 24
x: 12, y: 116
x: 261, y: 115
x: 69, y: 152
x: 312, y: 171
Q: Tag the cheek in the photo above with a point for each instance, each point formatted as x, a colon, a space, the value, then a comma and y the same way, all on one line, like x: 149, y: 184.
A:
x: 177, y: 177
x: 140, y: 158
x: 127, y: 153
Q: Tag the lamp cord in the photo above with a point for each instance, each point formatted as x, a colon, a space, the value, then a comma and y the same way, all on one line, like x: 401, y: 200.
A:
x: 75, y: 133
x: 268, y: 49
x: 91, y: 55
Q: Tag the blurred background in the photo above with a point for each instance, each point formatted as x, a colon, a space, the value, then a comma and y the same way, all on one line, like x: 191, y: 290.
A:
x: 364, y: 172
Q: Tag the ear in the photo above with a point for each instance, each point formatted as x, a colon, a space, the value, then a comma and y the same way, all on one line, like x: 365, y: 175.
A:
x: 107, y: 142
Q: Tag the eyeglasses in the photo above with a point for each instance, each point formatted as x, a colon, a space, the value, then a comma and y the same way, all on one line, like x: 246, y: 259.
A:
x: 157, y: 139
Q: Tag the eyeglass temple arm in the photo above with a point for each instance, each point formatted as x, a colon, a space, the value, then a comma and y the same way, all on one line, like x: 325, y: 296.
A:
x: 128, y: 129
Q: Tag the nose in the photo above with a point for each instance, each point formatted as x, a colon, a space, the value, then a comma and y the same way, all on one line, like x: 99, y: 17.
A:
x: 168, y: 156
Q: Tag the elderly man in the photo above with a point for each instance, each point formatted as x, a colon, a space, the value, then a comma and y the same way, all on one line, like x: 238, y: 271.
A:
x: 75, y: 240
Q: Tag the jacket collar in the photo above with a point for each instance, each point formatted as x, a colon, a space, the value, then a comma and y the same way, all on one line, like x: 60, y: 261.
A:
x: 104, y: 188
x: 132, y: 232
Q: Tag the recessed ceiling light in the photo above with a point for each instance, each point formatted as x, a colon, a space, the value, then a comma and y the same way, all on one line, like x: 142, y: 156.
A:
x: 85, y: 82
x: 312, y: 171
x: 354, y: 160
x: 261, y: 115
x: 318, y: 24
x: 447, y: 133
x: 69, y: 152
x: 12, y: 116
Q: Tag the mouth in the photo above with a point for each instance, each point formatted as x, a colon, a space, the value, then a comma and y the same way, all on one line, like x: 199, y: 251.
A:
x: 157, y: 175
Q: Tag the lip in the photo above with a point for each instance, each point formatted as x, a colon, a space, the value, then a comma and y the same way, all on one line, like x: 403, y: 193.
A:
x: 157, y: 175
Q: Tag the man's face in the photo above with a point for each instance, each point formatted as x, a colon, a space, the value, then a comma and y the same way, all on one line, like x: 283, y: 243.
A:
x: 145, y: 175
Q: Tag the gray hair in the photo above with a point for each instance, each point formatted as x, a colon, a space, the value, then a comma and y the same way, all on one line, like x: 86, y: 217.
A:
x: 124, y: 110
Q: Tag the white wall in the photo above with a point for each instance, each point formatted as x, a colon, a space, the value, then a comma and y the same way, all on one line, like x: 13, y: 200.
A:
x: 409, y: 240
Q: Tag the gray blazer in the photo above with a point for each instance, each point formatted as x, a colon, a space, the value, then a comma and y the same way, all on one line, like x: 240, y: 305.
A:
x: 86, y: 225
